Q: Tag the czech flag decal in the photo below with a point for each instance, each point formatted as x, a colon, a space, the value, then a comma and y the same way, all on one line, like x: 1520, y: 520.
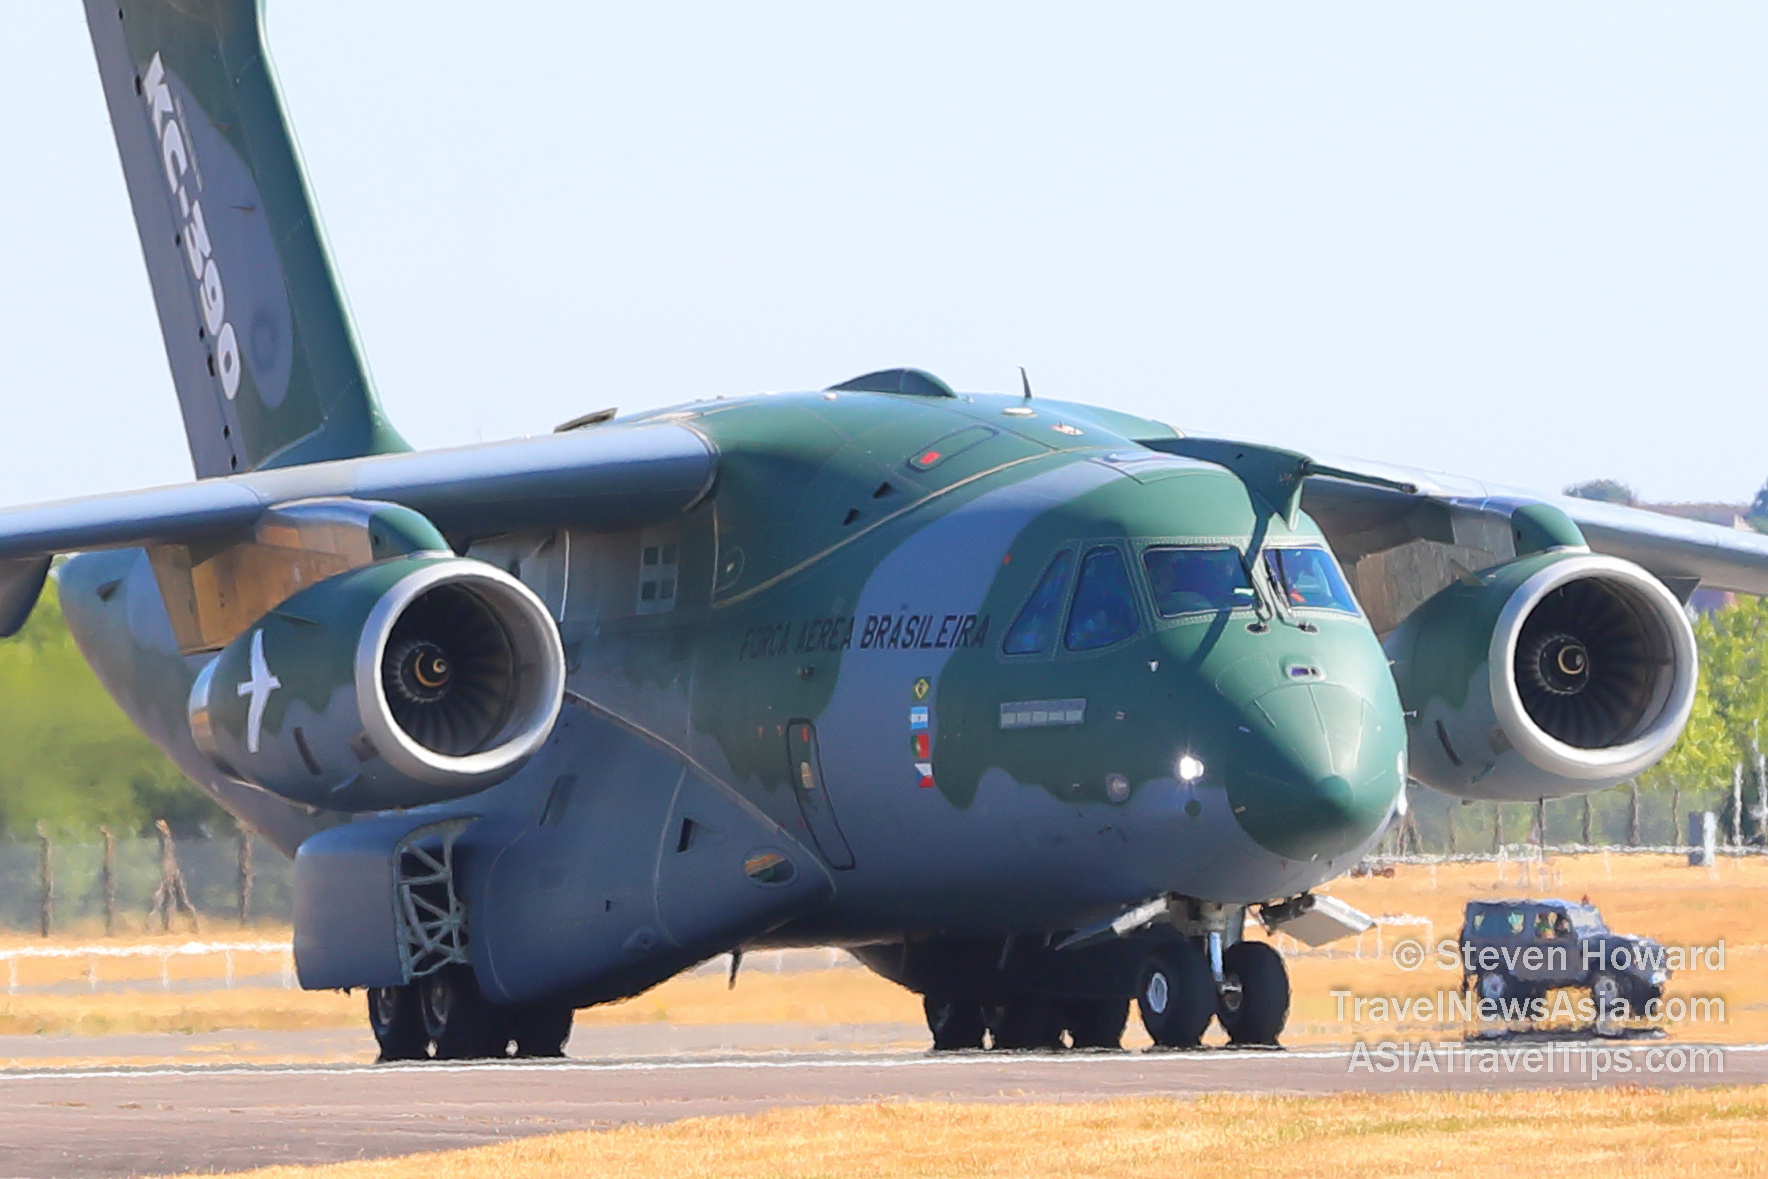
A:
x: 921, y: 742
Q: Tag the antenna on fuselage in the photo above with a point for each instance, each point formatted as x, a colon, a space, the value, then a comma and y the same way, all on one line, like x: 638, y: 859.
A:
x: 1025, y: 382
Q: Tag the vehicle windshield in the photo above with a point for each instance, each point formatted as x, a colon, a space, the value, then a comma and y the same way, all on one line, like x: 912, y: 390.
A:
x: 1104, y: 610
x: 1189, y: 580
x: 1309, y: 579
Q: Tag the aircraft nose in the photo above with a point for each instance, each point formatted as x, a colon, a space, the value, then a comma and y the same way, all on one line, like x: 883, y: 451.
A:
x: 1317, y: 771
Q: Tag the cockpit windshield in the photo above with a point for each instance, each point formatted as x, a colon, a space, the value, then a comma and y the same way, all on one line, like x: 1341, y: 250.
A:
x: 1104, y: 610
x: 1191, y: 580
x: 1309, y: 579
x: 1035, y: 628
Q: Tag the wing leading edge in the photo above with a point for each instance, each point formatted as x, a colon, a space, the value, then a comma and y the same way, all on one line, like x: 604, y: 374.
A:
x: 1682, y: 553
x: 608, y: 477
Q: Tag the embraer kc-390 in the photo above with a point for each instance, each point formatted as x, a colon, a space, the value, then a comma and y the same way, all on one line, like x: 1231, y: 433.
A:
x: 1033, y: 706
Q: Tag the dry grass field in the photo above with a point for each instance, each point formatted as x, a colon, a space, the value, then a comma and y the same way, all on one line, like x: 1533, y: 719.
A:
x: 1658, y: 896
x: 1655, y: 895
x: 1619, y: 1131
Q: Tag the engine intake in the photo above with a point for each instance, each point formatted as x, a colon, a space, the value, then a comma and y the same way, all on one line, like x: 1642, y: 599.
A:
x: 407, y: 682
x: 1558, y: 674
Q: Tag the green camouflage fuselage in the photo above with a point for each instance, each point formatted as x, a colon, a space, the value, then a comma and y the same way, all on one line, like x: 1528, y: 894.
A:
x: 823, y: 634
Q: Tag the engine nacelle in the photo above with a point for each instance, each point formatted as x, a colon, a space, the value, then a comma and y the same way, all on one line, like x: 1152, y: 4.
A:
x: 1557, y: 674
x: 396, y: 684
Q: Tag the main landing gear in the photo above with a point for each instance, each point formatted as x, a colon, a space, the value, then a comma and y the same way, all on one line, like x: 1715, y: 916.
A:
x: 1177, y: 993
x: 444, y: 1016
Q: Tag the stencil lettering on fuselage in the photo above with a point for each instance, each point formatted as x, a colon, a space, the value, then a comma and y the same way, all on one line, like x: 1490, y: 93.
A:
x: 953, y: 561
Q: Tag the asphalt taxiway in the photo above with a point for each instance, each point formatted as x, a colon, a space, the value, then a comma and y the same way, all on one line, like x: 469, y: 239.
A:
x: 116, y: 1122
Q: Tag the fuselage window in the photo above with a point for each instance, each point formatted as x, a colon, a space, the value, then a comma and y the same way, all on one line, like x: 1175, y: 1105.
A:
x: 1308, y: 578
x: 1035, y: 628
x: 1187, y: 581
x: 1104, y: 610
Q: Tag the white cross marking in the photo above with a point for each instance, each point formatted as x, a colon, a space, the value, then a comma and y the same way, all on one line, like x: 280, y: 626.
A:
x: 258, y: 688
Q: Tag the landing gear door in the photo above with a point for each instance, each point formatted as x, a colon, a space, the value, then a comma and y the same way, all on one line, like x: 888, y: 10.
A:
x: 813, y: 797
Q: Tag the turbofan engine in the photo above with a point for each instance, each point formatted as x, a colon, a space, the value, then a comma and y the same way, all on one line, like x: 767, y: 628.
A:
x: 406, y: 682
x: 1558, y: 674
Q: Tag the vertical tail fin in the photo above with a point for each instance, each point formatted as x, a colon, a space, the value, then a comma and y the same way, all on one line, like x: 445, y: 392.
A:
x: 263, y: 353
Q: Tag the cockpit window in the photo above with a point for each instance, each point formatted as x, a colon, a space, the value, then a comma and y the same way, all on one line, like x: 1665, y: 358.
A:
x: 1309, y: 578
x: 1035, y: 628
x: 1186, y: 581
x: 1104, y: 610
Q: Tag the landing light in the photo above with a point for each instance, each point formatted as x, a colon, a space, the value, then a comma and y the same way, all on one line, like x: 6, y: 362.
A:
x: 1189, y: 768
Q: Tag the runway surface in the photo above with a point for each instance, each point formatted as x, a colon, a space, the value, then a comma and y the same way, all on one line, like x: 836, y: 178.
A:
x: 116, y: 1122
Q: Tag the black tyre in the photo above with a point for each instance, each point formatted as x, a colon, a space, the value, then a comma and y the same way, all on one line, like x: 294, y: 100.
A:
x: 957, y: 1025
x: 1613, y: 1008
x: 1096, y: 1023
x: 1254, y: 1000
x: 541, y: 1029
x: 459, y: 1020
x: 1177, y: 997
x: 1642, y: 997
x: 1028, y: 1025
x: 395, y: 1015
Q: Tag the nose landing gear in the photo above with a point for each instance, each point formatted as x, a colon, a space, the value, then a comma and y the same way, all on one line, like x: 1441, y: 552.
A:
x: 1254, y: 994
x: 1177, y: 997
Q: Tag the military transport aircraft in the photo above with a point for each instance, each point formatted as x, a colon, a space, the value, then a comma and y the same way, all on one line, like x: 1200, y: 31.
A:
x: 1029, y: 704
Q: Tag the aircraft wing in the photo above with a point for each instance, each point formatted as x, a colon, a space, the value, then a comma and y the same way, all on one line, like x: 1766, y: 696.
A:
x: 1410, y: 504
x: 607, y: 476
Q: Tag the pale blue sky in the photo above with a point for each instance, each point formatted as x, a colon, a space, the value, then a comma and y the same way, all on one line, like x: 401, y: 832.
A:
x: 1519, y: 241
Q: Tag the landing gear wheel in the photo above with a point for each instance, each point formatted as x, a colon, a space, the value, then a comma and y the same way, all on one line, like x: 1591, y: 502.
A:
x: 1612, y: 1008
x: 1028, y: 1025
x: 396, y: 1017
x: 541, y: 1029
x: 459, y: 1020
x: 1096, y: 1023
x: 1254, y: 1001
x: 1492, y: 989
x: 1177, y: 996
x: 956, y: 1025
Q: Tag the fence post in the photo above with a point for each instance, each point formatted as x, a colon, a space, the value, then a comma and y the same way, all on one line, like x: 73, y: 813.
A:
x: 110, y: 882
x: 1761, y: 791
x: 1633, y: 813
x: 1588, y: 808
x: 1454, y: 811
x: 245, y: 874
x: 1675, y: 809
x: 171, y: 893
x: 1736, y: 803
x: 46, y: 875
x: 1497, y: 828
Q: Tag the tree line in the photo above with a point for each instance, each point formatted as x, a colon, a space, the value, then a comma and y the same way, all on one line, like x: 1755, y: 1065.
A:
x: 69, y: 758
